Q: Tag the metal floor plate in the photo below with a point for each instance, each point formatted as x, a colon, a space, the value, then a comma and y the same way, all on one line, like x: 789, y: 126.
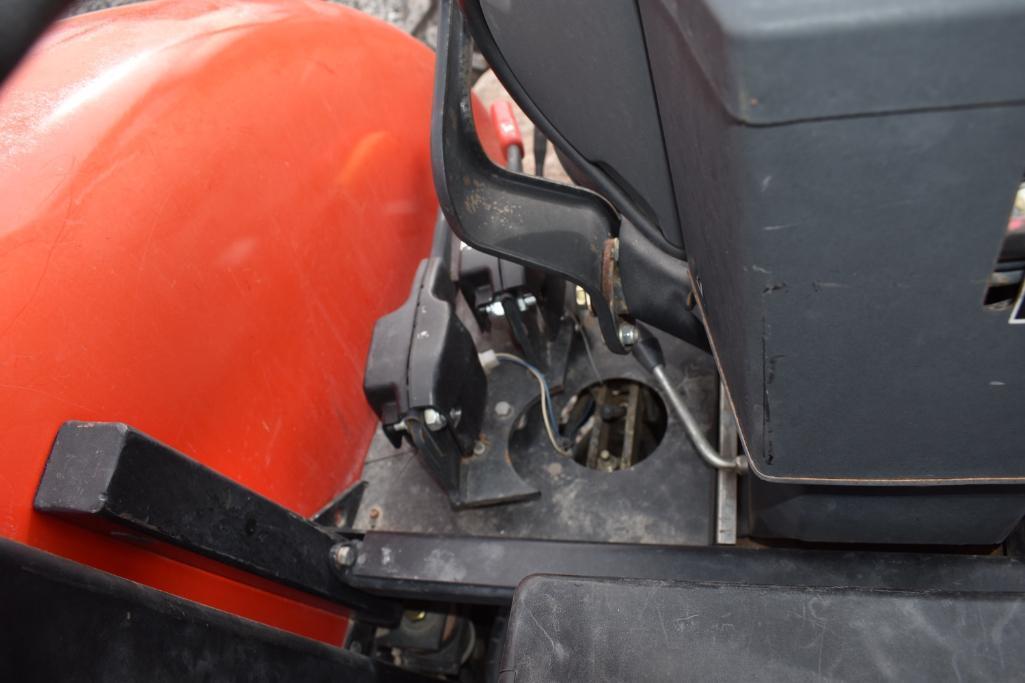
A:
x: 667, y: 498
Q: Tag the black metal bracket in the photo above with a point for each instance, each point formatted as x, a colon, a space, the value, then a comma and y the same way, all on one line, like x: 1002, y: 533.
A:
x: 560, y: 229
x: 104, y: 474
x: 340, y: 513
x: 487, y: 570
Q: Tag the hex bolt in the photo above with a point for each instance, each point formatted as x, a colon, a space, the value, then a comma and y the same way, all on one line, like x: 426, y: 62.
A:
x: 480, y: 448
x: 628, y: 334
x: 503, y: 409
x: 434, y: 420
x: 526, y: 301
x: 343, y: 555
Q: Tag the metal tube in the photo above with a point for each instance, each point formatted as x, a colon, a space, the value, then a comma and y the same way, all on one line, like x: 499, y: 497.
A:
x: 690, y: 423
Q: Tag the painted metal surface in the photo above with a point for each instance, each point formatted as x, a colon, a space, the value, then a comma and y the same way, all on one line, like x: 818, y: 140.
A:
x: 205, y: 206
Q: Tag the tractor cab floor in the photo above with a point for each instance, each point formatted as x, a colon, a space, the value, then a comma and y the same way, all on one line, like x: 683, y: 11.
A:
x: 666, y: 498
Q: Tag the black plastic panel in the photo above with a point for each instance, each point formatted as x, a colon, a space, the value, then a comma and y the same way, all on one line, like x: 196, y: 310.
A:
x: 571, y: 629
x: 793, y: 60
x: 584, y: 65
x: 842, y: 262
x: 63, y: 621
x: 906, y: 515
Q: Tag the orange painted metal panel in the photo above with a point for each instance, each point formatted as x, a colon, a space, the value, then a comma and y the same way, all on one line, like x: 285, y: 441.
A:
x: 204, y: 206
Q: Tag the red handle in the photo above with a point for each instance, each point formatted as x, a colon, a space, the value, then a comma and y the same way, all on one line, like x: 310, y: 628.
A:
x: 506, y: 128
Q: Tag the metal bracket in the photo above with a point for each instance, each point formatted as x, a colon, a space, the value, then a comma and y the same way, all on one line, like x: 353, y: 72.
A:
x: 340, y: 513
x: 478, y: 569
x: 556, y: 228
x: 726, y: 480
x: 106, y: 474
x: 424, y: 379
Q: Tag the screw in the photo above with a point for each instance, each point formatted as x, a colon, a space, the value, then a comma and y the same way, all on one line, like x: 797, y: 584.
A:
x: 480, y: 448
x: 628, y: 334
x: 375, y: 512
x: 605, y: 455
x: 503, y: 409
x: 494, y: 308
x: 526, y: 301
x: 434, y: 420
x: 344, y: 555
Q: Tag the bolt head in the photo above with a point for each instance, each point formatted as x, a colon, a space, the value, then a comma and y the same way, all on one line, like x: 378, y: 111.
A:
x: 628, y: 334
x: 526, y: 301
x: 503, y: 409
x: 343, y: 555
x: 433, y: 419
x: 480, y: 448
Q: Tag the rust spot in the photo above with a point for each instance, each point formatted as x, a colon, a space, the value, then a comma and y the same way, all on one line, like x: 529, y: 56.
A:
x: 608, y: 269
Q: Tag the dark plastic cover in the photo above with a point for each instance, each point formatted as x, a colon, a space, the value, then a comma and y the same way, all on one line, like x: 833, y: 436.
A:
x: 577, y: 629
x: 790, y: 60
x: 844, y: 173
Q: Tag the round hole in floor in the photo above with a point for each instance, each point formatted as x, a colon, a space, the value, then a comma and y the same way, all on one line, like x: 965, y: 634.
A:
x: 607, y: 426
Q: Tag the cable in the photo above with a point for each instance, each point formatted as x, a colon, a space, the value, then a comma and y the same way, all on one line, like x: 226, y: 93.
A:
x: 547, y: 415
x: 548, y: 418
x: 538, y: 375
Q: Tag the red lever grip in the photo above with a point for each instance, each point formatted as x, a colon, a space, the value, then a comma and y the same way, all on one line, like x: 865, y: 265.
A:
x: 506, y: 128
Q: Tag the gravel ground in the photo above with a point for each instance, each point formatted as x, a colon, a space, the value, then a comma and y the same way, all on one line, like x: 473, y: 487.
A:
x: 406, y: 14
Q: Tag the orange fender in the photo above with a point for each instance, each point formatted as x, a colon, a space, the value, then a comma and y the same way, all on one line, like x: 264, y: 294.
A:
x: 206, y: 206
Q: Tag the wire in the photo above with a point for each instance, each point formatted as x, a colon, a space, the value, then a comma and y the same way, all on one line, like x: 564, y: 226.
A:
x: 547, y: 414
x: 546, y: 393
